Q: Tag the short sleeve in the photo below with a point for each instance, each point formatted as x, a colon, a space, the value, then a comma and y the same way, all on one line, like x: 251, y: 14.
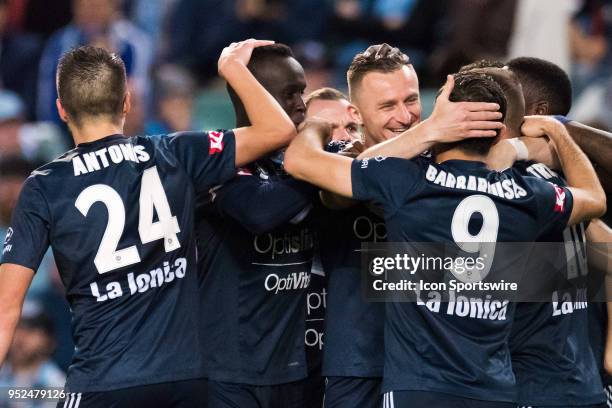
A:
x: 208, y: 157
x: 388, y: 181
x: 555, y: 204
x: 27, y: 238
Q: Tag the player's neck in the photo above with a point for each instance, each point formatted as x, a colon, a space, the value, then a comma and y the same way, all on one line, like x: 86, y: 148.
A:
x: 91, y: 131
x: 458, y: 154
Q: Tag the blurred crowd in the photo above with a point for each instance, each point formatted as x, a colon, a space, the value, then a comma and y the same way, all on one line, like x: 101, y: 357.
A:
x: 170, y: 48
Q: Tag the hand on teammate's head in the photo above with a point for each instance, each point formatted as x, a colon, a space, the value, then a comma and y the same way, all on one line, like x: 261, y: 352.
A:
x: 239, y: 52
x: 454, y: 121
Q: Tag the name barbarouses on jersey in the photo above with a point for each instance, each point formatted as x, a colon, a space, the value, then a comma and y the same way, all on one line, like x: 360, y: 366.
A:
x: 141, y: 283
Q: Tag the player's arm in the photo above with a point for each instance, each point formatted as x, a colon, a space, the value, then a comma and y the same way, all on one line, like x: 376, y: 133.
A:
x: 14, y: 283
x: 271, y: 128
x: 306, y: 159
x: 599, y: 257
x: 449, y: 122
x: 260, y: 205
x: 589, y: 199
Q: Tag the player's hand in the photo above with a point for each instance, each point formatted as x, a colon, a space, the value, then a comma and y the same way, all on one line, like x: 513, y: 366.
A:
x: 353, y: 149
x: 537, y: 125
x: 238, y: 54
x: 453, y: 121
x: 315, y: 131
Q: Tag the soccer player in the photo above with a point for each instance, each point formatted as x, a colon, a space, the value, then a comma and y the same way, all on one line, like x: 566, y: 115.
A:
x: 434, y: 357
x: 333, y: 106
x: 551, y: 355
x: 118, y: 214
x: 548, y: 91
x: 255, y: 253
x: 550, y: 343
x: 384, y: 87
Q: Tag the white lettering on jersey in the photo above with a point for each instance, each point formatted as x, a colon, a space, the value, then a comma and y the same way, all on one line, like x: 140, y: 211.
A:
x: 102, y: 158
x: 565, y: 303
x: 506, y: 188
x: 143, y: 282
x: 293, y: 281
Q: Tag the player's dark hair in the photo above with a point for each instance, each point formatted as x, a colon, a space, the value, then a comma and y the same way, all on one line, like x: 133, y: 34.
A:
x: 261, y: 58
x: 515, y: 108
x: 472, y: 86
x: 266, y: 54
x: 376, y: 58
x: 325, y: 94
x: 543, y: 81
x: 483, y: 63
x: 91, y: 82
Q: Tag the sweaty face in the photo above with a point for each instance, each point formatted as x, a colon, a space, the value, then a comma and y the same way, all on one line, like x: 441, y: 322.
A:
x: 340, y: 114
x: 389, y: 103
x: 285, y: 80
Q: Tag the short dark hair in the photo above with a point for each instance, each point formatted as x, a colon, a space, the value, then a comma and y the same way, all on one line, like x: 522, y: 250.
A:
x: 473, y: 86
x: 376, y: 58
x: 267, y: 53
x: 259, y: 58
x: 325, y: 94
x: 483, y: 63
x: 515, y: 101
x: 91, y: 82
x: 543, y: 81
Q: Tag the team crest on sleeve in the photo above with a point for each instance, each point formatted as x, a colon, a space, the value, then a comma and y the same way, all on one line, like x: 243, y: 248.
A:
x: 215, y: 142
x: 559, y: 199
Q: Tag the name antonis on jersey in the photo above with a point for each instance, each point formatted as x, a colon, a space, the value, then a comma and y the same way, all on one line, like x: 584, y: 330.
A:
x: 102, y: 158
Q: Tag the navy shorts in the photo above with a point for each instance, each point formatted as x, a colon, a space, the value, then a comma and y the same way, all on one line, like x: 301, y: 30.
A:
x: 350, y: 392
x: 179, y: 394
x: 420, y: 399
x: 298, y: 394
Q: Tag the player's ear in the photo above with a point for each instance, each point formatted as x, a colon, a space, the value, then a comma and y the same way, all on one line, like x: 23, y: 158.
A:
x: 355, y: 115
x: 127, y: 103
x: 61, y: 111
x: 541, y: 108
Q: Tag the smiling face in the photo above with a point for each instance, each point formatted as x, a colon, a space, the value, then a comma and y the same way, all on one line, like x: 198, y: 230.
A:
x: 388, y: 102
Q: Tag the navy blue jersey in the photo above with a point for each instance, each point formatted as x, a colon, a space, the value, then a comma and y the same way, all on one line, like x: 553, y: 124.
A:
x: 444, y: 347
x: 316, y: 304
x: 118, y: 214
x: 354, y: 329
x: 551, y: 354
x: 255, y: 284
